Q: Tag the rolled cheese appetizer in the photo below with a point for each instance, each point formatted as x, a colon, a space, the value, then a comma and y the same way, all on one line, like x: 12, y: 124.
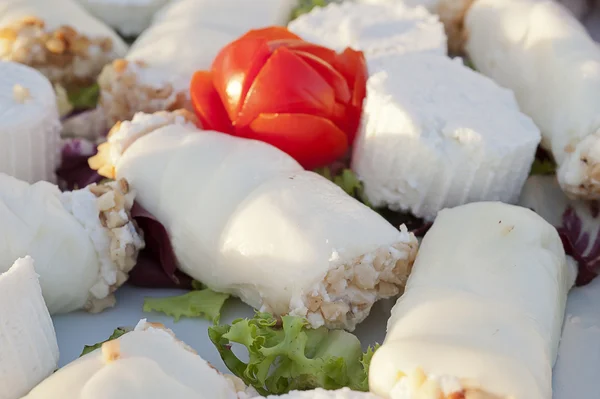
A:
x: 436, y: 134
x: 130, y: 17
x: 246, y: 219
x: 58, y: 38
x: 30, y: 129
x: 373, y: 28
x: 482, y: 313
x: 84, y: 241
x: 28, y: 347
x: 148, y: 362
x: 185, y: 37
x: 541, y: 40
x: 344, y: 393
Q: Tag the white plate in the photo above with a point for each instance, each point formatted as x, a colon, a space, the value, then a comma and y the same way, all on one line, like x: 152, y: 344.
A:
x: 575, y: 375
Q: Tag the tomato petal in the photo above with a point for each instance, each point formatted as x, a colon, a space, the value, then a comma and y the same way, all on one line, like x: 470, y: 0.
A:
x: 234, y: 70
x: 333, y: 77
x: 287, y: 84
x: 311, y: 140
x: 271, y: 33
x: 352, y: 65
x: 324, y: 53
x: 207, y: 103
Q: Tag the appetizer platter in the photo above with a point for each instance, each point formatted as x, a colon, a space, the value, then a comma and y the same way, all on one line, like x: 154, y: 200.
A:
x: 299, y: 199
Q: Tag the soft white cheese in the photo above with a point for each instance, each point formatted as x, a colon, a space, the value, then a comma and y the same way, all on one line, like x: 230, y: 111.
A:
x: 541, y: 52
x: 373, y: 28
x: 344, y: 393
x: 30, y: 128
x: 35, y: 222
x: 148, y: 362
x: 436, y: 134
x: 130, y: 17
x: 484, y: 303
x: 28, y: 347
x: 56, y: 13
x: 245, y: 218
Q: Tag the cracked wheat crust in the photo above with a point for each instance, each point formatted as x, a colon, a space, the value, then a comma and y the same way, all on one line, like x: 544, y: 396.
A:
x: 63, y: 55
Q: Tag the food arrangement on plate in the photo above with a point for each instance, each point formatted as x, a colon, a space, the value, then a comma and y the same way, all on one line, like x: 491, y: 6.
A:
x: 316, y: 162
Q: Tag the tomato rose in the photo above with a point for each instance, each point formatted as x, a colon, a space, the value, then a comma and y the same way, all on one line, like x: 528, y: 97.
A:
x: 272, y: 86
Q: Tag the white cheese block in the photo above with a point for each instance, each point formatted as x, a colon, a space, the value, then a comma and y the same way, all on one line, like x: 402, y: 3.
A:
x: 130, y: 17
x: 525, y: 45
x: 283, y: 239
x: 344, y: 393
x: 372, y: 28
x: 28, y: 347
x: 148, y: 363
x: 74, y: 251
x: 30, y: 128
x: 56, y: 13
x: 436, y: 134
x: 483, y: 307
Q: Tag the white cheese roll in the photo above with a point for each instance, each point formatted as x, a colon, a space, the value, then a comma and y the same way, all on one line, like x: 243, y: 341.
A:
x: 526, y: 45
x: 482, y: 312
x: 185, y: 37
x: 246, y: 219
x: 30, y: 129
x: 374, y: 29
x: 84, y: 241
x: 130, y: 17
x: 28, y: 347
x: 148, y: 363
x: 436, y: 134
x: 59, y: 38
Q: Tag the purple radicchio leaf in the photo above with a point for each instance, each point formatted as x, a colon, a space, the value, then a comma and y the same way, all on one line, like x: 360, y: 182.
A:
x: 157, y: 265
x: 74, y: 171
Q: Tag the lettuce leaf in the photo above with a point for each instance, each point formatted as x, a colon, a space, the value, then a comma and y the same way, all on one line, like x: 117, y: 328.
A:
x: 305, y: 6
x: 116, y: 334
x: 287, y: 355
x: 543, y: 167
x: 346, y: 179
x: 84, y: 97
x: 203, y: 303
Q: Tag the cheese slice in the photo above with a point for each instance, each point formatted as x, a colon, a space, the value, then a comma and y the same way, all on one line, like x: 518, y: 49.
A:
x: 30, y: 128
x: 28, y: 347
x: 130, y: 17
x: 372, y: 28
x: 436, y: 134
x: 482, y: 310
x: 246, y: 219
x: 148, y: 362
x: 524, y: 45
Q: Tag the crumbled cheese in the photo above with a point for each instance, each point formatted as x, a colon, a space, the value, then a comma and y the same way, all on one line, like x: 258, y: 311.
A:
x: 373, y: 28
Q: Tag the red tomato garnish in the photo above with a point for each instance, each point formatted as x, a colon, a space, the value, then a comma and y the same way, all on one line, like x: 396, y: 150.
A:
x: 300, y: 97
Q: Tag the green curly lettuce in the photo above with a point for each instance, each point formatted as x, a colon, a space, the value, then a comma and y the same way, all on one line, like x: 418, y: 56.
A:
x: 202, y: 302
x: 288, y: 355
x: 306, y: 6
x: 346, y: 179
x: 83, y: 98
x: 116, y: 334
x: 543, y: 167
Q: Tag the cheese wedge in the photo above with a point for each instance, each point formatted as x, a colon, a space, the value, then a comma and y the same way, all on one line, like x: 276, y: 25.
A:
x: 57, y: 37
x: 84, y: 241
x: 436, y: 134
x: 185, y: 37
x: 525, y: 45
x: 246, y: 219
x: 28, y: 347
x: 374, y: 29
x: 130, y: 17
x: 482, y: 312
x: 30, y: 129
x: 148, y: 362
